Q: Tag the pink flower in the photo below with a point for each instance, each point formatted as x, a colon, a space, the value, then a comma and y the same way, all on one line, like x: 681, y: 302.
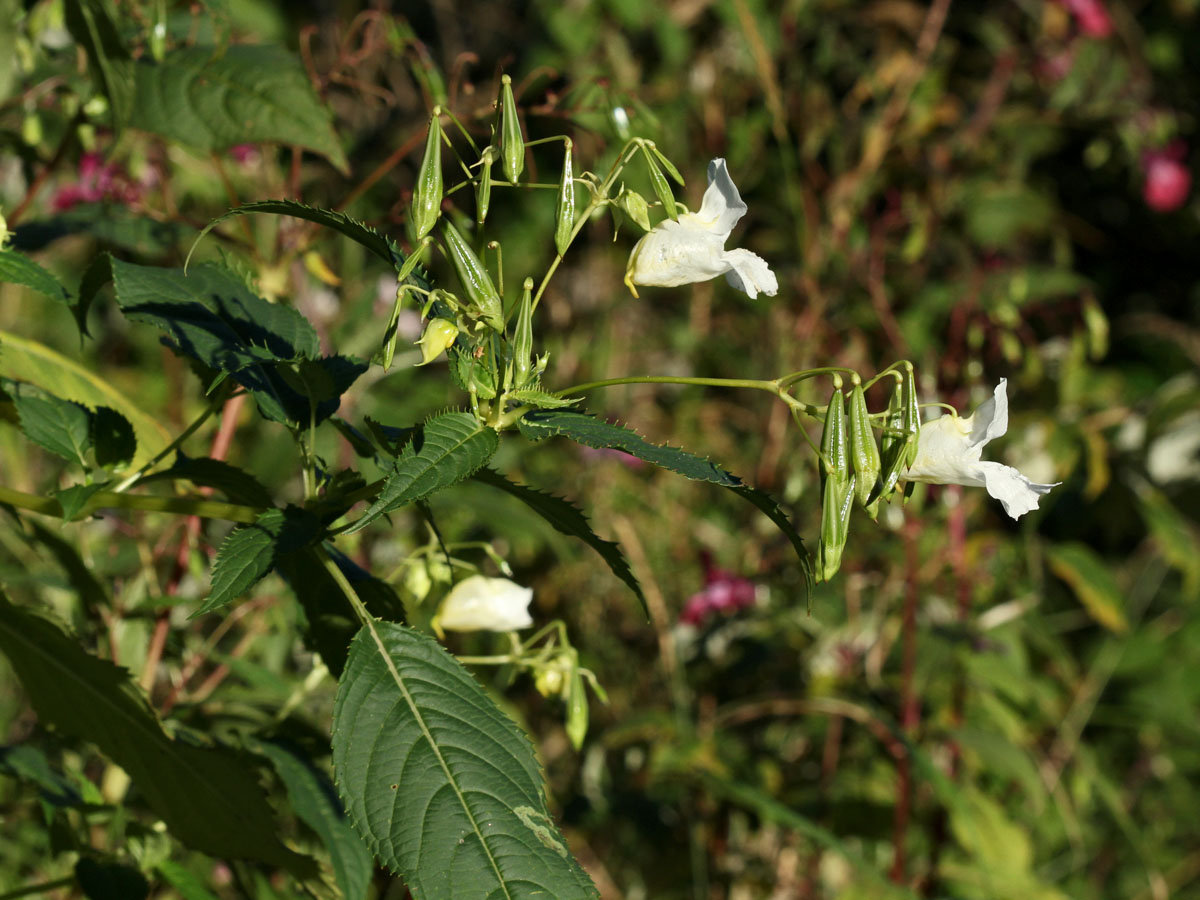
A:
x: 96, y: 181
x: 723, y: 592
x: 245, y: 154
x: 1091, y: 17
x: 1168, y: 182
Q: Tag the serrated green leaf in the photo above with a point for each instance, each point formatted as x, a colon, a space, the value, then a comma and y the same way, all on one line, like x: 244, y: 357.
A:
x: 315, y: 801
x: 453, y: 446
x: 541, y: 399
x: 112, y: 438
x: 207, y: 796
x: 771, y: 509
x: 566, y: 519
x: 250, y: 552
x: 1081, y: 568
x: 17, y: 268
x: 91, y: 24
x: 236, y: 484
x: 330, y: 623
x: 57, y: 425
x: 443, y: 785
x: 383, y: 247
x: 28, y: 763
x: 188, y: 885
x: 592, y: 432
x: 212, y: 98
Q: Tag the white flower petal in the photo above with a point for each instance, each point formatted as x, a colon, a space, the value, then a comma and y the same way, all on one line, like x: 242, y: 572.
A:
x: 750, y: 273
x: 692, y: 248
x: 722, y: 205
x: 486, y: 604
x: 1018, y: 494
x: 949, y: 450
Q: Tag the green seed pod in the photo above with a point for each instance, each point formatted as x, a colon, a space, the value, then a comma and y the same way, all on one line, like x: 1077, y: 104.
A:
x: 837, y: 488
x: 912, y: 416
x: 475, y: 278
x: 661, y: 187
x: 427, y: 197
x: 577, y: 710
x: 512, y: 145
x: 864, y: 453
x: 564, y: 220
x: 439, y: 335
x: 483, y: 190
x: 893, y: 444
x: 523, y: 338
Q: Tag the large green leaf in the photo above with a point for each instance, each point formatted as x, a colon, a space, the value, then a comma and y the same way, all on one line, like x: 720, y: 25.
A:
x: 212, y: 98
x: 212, y: 316
x: 19, y: 269
x: 453, y: 446
x: 442, y: 784
x: 25, y: 360
x: 568, y: 520
x: 236, y: 484
x: 208, y: 797
x: 91, y: 24
x: 315, y: 801
x: 592, y: 432
x: 250, y: 551
x: 57, y: 425
x: 383, y: 247
x: 109, y: 223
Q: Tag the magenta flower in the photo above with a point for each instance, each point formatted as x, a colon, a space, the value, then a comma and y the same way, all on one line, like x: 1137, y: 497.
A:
x: 96, y: 181
x: 1091, y: 16
x: 723, y: 592
x: 1168, y: 182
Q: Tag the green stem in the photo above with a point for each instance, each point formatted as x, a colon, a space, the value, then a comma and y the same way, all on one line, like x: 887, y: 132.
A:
x: 205, y: 509
x: 39, y: 888
x: 795, y: 377
x: 347, y: 589
x: 754, y: 384
x: 175, y: 444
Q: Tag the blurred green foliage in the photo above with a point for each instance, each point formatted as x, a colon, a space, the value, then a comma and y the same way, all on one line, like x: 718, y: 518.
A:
x: 974, y: 708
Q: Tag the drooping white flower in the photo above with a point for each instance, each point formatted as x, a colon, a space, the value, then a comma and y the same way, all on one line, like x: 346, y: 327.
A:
x: 479, y: 603
x: 693, y: 248
x: 949, y: 451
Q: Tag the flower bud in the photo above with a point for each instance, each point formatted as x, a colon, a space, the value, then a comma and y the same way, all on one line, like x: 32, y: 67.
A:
x: 427, y: 197
x: 634, y: 205
x: 486, y: 604
x: 549, y: 681
x: 438, y: 337
x: 564, y: 220
x: 512, y: 146
x: 864, y: 453
x: 475, y: 278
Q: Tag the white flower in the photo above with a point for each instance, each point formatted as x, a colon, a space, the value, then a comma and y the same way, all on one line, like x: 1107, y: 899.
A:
x: 486, y: 604
x: 949, y: 450
x: 693, y: 248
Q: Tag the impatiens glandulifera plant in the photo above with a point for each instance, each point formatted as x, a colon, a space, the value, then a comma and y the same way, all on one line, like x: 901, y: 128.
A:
x: 441, y: 786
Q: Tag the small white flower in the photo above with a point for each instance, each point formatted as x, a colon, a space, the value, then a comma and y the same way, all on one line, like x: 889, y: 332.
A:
x: 949, y: 451
x: 486, y: 604
x: 693, y: 248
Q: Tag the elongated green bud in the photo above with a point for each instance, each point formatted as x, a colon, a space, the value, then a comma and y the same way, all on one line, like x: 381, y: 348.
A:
x: 577, y: 710
x: 427, y: 197
x: 483, y: 191
x: 912, y: 416
x: 512, y: 145
x: 837, y: 488
x: 893, y: 444
x: 564, y: 220
x: 474, y: 278
x: 659, y: 180
x: 523, y: 338
x: 864, y: 453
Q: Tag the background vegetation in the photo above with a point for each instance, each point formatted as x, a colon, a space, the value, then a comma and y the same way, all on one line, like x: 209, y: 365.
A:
x: 973, y: 708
